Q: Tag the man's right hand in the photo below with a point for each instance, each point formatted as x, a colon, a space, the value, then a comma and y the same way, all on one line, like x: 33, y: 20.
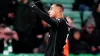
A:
x: 32, y: 4
x: 1, y: 34
x: 8, y: 34
x: 15, y: 35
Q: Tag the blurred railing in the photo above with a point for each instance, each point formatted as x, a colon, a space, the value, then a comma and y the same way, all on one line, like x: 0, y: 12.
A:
x: 43, y: 55
x: 21, y: 54
x: 85, y: 55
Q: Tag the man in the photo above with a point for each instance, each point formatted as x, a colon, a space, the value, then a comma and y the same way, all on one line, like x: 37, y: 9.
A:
x: 7, y: 11
x: 90, y: 33
x: 9, y: 39
x: 29, y: 27
x: 59, y: 28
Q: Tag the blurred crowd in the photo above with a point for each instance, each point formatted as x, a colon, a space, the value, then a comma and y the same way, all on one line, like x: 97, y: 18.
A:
x: 30, y: 35
x: 87, y: 39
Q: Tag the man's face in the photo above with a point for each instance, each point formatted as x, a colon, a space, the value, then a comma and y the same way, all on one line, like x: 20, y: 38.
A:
x: 77, y: 35
x: 52, y: 11
x: 4, y: 33
x: 25, y: 1
x: 1, y: 32
x: 90, y: 28
x: 98, y: 9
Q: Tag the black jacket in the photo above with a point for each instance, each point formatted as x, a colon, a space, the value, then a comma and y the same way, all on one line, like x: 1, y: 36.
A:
x: 14, y: 45
x: 27, y: 25
x: 59, y: 30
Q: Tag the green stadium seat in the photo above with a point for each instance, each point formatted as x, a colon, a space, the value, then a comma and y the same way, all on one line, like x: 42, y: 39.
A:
x: 75, y: 14
x: 67, y: 12
x: 85, y: 55
x: 1, y: 55
x: 97, y: 55
x: 77, y: 20
x: 77, y: 25
x: 68, y: 6
x: 64, y: 1
x: 43, y: 55
x: 23, y: 55
x: 71, y: 55
x: 47, y: 1
x: 72, y: 14
x: 86, y: 14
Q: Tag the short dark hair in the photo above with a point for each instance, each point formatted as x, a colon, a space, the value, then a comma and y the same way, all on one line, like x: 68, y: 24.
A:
x: 3, y: 26
x: 60, y: 5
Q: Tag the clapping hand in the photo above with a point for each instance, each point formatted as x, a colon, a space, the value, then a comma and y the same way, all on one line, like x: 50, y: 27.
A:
x: 8, y: 34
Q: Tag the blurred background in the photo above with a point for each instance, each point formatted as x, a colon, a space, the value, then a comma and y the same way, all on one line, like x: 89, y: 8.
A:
x: 33, y: 34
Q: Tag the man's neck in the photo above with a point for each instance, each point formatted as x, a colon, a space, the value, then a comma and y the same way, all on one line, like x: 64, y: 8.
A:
x: 60, y: 15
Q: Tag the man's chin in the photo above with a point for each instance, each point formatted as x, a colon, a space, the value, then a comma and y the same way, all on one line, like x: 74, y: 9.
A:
x: 51, y: 16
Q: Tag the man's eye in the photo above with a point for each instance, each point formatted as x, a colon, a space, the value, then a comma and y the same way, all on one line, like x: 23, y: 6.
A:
x: 50, y: 8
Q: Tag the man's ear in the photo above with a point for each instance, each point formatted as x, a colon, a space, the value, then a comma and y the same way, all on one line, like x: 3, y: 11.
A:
x: 58, y: 9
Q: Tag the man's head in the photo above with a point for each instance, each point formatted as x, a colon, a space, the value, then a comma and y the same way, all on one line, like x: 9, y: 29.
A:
x: 90, y: 28
x: 25, y: 1
x: 77, y: 35
x: 55, y: 10
x: 98, y: 8
x: 2, y: 27
x: 6, y: 33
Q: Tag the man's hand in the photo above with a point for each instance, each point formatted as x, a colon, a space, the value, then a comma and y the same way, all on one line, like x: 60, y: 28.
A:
x: 8, y: 34
x: 32, y: 4
x: 15, y: 35
x: 93, y: 48
x: 70, y: 22
x: 11, y: 15
x: 99, y: 47
x: 1, y: 33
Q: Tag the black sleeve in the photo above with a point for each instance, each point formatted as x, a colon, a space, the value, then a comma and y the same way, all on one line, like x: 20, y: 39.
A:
x: 45, y: 17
